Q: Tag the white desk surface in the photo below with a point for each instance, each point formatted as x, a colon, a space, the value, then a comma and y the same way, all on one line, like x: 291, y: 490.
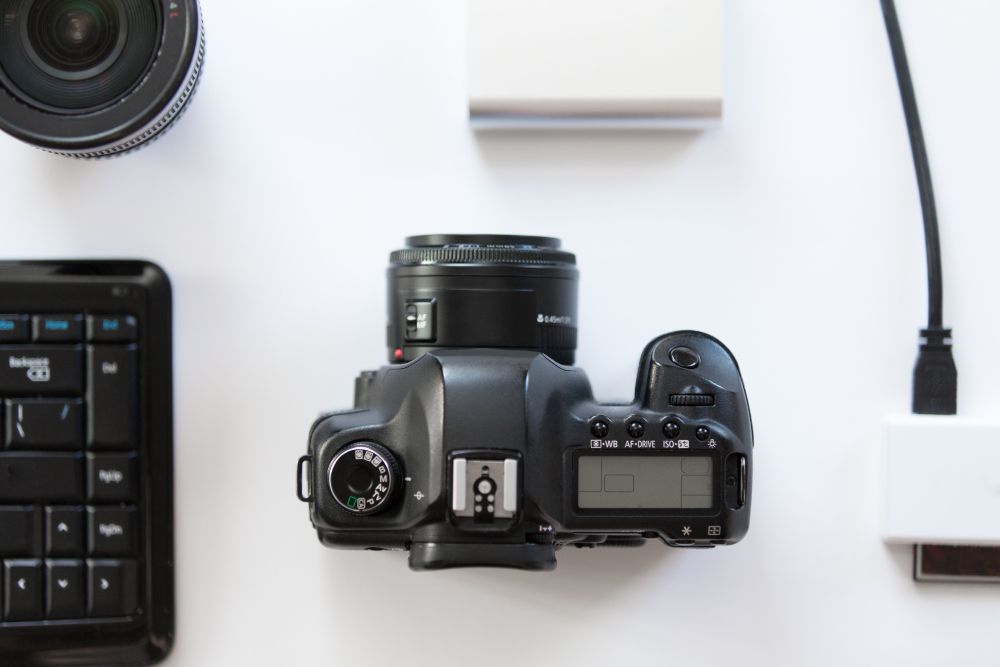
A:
x: 325, y: 132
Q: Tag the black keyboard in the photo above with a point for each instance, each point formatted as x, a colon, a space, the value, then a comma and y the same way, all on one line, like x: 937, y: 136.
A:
x: 86, y: 464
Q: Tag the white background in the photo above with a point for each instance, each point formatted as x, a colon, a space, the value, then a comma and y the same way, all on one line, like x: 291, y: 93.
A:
x: 325, y: 132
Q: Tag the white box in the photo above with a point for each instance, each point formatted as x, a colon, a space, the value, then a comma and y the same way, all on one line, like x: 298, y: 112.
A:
x: 942, y: 481
x: 542, y: 63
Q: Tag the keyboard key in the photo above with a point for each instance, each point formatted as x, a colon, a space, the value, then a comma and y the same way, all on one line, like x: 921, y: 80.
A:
x: 111, y: 531
x: 15, y: 328
x: 111, y: 477
x: 22, y: 594
x: 42, y: 477
x: 111, y: 328
x: 20, y: 531
x: 44, y: 423
x: 65, y: 592
x: 111, y: 399
x: 113, y: 588
x: 41, y: 370
x: 57, y: 328
x: 64, y: 531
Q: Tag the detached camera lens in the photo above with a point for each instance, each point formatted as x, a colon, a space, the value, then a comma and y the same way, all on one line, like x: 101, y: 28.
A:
x: 92, y: 78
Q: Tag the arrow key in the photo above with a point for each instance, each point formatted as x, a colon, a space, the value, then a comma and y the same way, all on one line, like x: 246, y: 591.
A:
x: 112, y: 588
x: 64, y: 531
x: 64, y: 592
x: 22, y: 594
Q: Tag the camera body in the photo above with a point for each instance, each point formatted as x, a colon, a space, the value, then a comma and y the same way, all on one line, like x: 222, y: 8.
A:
x: 499, y: 456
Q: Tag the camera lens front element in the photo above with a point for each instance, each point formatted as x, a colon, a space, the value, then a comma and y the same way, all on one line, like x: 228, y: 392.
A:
x: 363, y: 477
x: 70, y: 56
x: 75, y: 39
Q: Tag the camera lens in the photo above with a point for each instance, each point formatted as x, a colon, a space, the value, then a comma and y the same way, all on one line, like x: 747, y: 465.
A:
x: 468, y: 291
x: 92, y: 78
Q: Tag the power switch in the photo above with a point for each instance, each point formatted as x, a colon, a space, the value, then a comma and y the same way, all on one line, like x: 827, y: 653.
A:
x: 420, y: 320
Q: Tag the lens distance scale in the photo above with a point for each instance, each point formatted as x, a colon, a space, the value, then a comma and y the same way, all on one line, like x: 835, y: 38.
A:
x: 363, y: 478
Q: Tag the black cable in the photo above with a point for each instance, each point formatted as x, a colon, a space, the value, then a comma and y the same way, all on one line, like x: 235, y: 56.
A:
x: 920, y: 163
x: 935, y: 378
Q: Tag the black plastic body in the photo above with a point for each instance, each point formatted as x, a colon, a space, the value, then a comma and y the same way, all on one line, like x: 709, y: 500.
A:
x: 522, y: 405
x: 142, y: 290
x: 495, y: 291
x: 145, y: 112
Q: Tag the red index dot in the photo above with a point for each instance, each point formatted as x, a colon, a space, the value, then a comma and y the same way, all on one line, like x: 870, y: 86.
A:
x: 399, y: 353
x: 174, y: 15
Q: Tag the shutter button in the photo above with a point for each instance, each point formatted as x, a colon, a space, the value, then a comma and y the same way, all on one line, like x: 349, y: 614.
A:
x: 685, y: 357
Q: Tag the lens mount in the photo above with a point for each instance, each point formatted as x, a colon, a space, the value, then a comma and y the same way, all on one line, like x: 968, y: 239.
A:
x: 482, y: 291
x: 93, y: 78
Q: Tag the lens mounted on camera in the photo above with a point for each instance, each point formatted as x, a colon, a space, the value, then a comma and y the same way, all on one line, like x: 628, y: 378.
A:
x: 482, y: 291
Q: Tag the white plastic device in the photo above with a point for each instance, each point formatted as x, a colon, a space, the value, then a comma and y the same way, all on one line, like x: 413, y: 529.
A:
x: 605, y: 63
x: 942, y: 481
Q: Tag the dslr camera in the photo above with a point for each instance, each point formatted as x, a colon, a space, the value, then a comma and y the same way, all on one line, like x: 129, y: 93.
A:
x: 480, y: 444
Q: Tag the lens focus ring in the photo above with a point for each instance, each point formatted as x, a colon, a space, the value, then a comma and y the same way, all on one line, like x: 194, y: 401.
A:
x: 173, y: 112
x: 480, y: 255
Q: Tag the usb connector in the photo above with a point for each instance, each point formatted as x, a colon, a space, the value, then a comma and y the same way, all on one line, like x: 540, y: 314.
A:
x: 935, y: 378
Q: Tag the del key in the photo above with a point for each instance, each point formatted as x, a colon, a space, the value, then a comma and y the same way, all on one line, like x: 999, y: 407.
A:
x: 111, y: 396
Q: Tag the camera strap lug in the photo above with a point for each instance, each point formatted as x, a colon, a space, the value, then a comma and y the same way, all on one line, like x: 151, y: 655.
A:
x: 299, y: 485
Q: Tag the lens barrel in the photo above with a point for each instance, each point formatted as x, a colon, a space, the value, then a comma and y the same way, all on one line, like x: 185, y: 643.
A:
x: 468, y: 291
x: 94, y: 78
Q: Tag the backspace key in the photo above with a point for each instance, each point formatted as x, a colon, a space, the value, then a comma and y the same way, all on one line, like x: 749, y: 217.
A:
x: 41, y: 370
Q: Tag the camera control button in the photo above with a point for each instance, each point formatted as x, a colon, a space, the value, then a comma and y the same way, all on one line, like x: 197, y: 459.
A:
x: 599, y: 429
x: 685, y: 357
x: 702, y: 433
x: 671, y: 429
x: 636, y: 429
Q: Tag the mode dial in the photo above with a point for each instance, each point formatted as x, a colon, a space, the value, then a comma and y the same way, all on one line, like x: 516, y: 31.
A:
x: 364, y: 477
